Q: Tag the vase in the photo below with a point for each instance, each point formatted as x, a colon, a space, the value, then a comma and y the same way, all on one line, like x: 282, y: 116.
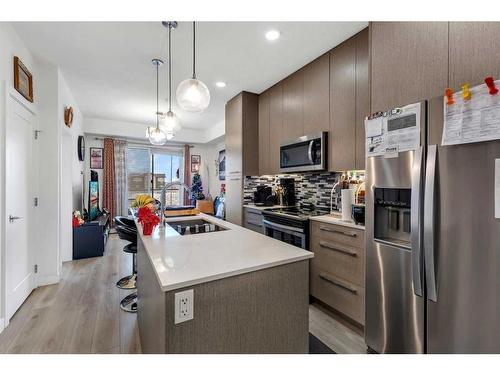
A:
x: 147, y: 229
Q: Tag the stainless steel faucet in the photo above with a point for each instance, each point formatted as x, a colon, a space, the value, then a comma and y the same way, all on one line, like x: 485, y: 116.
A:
x: 163, y: 196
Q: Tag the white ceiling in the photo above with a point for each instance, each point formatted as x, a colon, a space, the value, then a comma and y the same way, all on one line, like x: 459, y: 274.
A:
x: 107, y: 64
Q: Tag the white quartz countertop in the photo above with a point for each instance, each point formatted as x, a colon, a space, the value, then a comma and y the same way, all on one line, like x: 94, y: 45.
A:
x: 337, y: 220
x: 182, y: 261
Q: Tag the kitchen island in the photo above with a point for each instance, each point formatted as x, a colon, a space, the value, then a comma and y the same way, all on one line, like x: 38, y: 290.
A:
x: 250, y: 292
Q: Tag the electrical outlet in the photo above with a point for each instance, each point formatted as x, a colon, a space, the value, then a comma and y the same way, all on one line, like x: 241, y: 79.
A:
x: 184, y: 306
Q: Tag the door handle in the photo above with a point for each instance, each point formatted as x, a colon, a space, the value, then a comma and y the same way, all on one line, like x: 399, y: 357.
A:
x: 430, y: 184
x: 309, y: 152
x: 14, y: 218
x: 415, y: 221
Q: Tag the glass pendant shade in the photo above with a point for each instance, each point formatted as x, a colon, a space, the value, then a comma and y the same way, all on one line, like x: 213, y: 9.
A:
x: 193, y: 95
x: 148, y: 131
x: 170, y: 123
x: 170, y: 135
x: 157, y: 137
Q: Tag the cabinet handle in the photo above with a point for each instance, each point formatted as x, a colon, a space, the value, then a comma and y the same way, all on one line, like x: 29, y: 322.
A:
x: 336, y: 282
x: 348, y: 234
x: 235, y: 179
x: 234, y: 172
x: 329, y: 246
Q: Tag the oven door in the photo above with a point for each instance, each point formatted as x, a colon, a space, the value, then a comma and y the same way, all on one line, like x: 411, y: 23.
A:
x: 291, y: 235
x: 306, y: 153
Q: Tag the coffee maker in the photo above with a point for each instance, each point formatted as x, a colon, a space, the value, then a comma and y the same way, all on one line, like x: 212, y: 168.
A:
x: 288, y: 185
x: 263, y: 196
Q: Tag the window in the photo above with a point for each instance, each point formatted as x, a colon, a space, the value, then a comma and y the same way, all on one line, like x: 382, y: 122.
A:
x: 148, y: 170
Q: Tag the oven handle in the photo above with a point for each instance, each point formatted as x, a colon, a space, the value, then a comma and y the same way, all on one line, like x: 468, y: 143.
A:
x: 271, y: 225
x: 310, y: 152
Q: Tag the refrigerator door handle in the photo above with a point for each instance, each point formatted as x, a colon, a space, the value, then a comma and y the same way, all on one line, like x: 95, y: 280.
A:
x: 429, y: 201
x: 415, y: 220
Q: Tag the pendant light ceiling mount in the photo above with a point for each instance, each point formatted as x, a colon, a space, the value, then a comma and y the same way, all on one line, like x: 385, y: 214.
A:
x: 192, y: 94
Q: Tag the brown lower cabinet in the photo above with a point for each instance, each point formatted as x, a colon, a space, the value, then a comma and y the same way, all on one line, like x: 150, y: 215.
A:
x: 337, y: 274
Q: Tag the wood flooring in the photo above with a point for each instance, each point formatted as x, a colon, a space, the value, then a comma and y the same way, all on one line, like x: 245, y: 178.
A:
x: 81, y: 314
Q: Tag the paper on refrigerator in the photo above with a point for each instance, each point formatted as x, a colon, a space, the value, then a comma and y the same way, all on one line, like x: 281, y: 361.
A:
x: 474, y: 120
x: 391, y: 134
x: 375, y: 139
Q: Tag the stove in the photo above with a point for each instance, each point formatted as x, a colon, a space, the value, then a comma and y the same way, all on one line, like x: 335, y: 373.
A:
x: 300, y: 213
x: 290, y: 224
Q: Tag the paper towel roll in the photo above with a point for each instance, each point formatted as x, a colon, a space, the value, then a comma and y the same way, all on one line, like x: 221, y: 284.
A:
x: 347, y: 201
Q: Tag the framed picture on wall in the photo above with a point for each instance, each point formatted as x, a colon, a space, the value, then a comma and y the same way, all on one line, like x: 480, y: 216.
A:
x: 96, y: 158
x: 23, y: 80
x: 195, y: 163
x: 222, y: 165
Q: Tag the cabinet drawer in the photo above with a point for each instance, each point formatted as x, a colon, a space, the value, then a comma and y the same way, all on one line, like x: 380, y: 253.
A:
x: 340, y: 294
x: 341, y: 260
x: 253, y: 220
x: 256, y: 228
x: 338, y: 234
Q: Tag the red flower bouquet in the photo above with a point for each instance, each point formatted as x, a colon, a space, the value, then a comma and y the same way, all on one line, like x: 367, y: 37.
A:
x: 148, y: 220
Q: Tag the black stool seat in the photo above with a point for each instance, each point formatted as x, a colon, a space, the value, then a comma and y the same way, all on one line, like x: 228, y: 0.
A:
x: 124, y: 221
x: 127, y: 233
x: 131, y: 248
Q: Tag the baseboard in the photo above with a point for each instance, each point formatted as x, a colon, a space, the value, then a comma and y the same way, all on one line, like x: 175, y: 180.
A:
x: 2, y: 321
x: 47, y: 280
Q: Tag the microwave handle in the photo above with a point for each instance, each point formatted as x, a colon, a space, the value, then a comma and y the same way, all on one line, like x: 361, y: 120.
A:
x: 310, y: 152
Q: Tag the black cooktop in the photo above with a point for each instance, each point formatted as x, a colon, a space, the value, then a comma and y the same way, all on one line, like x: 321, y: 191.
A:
x: 302, y: 213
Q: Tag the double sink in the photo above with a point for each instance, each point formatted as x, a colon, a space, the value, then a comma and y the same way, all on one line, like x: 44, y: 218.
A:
x: 195, y: 226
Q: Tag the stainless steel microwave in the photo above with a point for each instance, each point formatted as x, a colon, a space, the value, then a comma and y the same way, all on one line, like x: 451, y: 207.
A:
x: 307, y: 153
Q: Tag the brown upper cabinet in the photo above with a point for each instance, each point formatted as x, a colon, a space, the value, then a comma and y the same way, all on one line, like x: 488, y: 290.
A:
x: 317, y: 95
x: 342, y: 140
x: 474, y: 52
x: 362, y: 94
x: 349, y: 103
x: 293, y: 106
x: 242, y: 134
x: 275, y: 126
x: 264, y: 134
x: 409, y: 62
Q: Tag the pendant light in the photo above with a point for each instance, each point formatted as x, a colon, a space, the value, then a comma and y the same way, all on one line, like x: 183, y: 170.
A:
x: 156, y: 136
x: 192, y: 94
x: 170, y: 124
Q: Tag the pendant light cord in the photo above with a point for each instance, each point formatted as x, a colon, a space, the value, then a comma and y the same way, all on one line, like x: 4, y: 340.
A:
x: 157, y: 94
x: 170, y: 68
x: 194, y: 49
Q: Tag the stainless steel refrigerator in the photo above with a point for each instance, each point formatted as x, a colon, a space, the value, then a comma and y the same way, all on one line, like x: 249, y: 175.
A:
x: 433, y: 246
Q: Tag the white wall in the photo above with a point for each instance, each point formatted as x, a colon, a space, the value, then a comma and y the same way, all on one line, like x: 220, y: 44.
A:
x: 209, y: 153
x: 71, y: 167
x: 49, y: 143
x: 10, y: 45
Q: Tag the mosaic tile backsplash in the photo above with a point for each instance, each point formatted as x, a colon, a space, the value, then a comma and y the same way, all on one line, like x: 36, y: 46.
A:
x: 310, y: 188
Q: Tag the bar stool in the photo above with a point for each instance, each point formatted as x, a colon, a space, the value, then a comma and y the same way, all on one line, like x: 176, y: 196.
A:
x: 126, y: 230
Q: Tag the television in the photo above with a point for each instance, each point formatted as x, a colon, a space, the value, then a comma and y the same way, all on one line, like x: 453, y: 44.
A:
x: 94, y: 211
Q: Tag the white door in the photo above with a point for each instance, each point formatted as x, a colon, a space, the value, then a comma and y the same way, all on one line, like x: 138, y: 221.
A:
x: 20, y: 125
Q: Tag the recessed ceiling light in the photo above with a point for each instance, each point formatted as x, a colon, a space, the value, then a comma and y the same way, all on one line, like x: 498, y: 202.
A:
x: 220, y: 84
x: 272, y: 35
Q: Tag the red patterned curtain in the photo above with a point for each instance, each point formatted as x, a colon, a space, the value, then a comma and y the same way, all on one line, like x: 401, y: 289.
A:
x: 187, y: 173
x: 108, y: 183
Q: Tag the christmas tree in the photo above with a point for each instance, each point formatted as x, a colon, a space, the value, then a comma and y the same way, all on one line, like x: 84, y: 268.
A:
x: 196, y: 189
